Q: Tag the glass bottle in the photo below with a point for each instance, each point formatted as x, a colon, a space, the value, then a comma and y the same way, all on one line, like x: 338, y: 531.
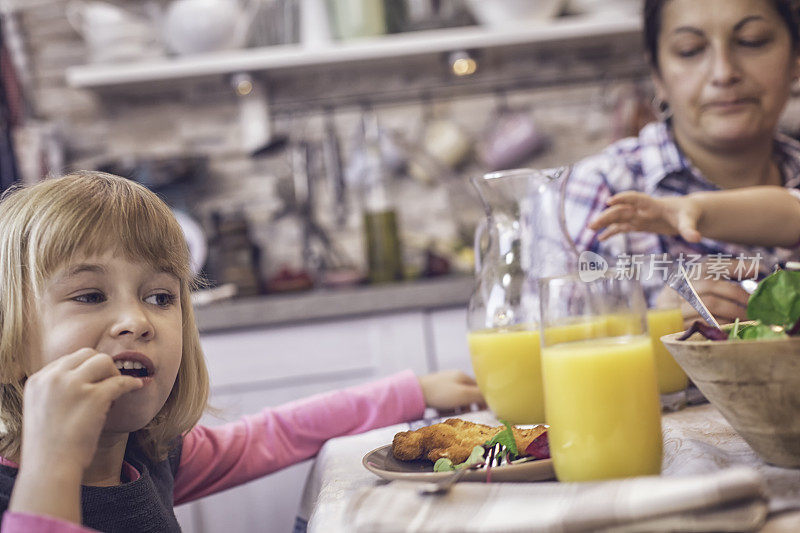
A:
x: 233, y: 256
x: 381, y: 234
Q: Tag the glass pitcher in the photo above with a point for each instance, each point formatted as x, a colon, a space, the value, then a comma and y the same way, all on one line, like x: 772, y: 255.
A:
x: 522, y: 239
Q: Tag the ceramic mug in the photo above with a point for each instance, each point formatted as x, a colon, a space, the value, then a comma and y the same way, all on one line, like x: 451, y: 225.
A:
x: 511, y: 139
x: 199, y: 26
x: 112, y: 33
x: 446, y: 144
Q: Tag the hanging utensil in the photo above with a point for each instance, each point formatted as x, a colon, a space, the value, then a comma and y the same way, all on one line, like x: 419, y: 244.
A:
x: 319, y: 251
x: 332, y: 155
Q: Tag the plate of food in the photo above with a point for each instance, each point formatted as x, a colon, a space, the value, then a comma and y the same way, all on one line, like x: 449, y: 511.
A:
x: 501, y: 453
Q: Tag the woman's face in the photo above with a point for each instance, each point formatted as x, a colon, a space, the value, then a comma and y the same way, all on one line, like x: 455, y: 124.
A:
x: 726, y: 67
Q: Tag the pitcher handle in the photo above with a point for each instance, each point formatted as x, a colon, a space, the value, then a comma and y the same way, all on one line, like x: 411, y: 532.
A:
x: 566, y: 172
x: 479, y: 230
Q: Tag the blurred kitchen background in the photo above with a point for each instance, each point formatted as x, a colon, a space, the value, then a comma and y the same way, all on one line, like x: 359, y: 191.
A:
x: 318, y: 154
x: 319, y: 143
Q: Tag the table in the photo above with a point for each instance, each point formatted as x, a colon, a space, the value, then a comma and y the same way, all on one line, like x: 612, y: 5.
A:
x: 697, y: 440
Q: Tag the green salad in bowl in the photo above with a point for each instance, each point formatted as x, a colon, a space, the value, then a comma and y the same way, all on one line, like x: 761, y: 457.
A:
x: 773, y: 311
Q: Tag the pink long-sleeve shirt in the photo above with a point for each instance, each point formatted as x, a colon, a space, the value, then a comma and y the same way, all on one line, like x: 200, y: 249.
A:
x: 217, y: 458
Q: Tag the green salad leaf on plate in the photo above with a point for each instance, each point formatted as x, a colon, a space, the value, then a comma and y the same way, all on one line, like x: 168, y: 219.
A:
x: 443, y: 464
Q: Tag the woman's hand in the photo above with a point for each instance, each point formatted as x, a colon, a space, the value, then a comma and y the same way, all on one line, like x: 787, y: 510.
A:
x: 449, y: 390
x: 725, y: 300
x: 636, y: 211
x: 64, y: 411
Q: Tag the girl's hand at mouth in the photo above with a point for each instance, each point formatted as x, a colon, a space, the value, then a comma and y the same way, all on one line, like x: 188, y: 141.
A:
x: 66, y: 404
x: 65, y: 408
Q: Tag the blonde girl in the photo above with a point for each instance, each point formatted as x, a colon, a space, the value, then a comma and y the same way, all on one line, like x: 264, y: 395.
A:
x: 102, y: 378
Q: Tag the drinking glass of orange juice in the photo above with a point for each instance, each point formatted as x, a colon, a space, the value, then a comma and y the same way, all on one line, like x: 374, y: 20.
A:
x: 665, y: 317
x: 600, y: 389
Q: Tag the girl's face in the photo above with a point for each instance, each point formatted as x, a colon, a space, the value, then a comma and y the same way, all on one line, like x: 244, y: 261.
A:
x: 726, y: 67
x: 121, y: 309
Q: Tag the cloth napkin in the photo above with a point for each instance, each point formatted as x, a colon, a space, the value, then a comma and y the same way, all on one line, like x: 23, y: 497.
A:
x: 729, y: 500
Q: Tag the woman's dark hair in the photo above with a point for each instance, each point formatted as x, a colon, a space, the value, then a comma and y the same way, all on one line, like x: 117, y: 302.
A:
x: 653, y: 9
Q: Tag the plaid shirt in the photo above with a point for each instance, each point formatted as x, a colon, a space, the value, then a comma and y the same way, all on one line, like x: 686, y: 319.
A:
x: 652, y: 163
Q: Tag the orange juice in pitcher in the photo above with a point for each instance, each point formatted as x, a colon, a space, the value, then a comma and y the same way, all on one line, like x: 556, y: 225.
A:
x: 508, y: 370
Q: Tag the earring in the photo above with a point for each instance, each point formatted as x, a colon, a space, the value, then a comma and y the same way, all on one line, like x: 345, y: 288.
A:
x: 662, y: 108
x: 794, y: 88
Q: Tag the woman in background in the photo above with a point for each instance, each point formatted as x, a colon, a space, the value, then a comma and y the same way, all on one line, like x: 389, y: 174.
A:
x: 722, y: 72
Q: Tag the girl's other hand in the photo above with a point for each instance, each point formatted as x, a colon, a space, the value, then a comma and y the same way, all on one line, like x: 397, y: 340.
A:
x: 636, y: 211
x: 449, y: 390
x: 65, y: 408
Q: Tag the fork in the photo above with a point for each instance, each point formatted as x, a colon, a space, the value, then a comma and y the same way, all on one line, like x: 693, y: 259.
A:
x: 443, y: 485
x: 679, y: 281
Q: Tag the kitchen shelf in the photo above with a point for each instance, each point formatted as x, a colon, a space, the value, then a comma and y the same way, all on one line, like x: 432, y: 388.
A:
x: 277, y: 58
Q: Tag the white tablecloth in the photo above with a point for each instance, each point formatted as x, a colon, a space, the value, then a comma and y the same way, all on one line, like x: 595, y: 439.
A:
x: 697, y: 440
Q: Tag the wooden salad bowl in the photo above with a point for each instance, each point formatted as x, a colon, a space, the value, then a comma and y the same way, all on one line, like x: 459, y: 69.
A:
x: 755, y: 384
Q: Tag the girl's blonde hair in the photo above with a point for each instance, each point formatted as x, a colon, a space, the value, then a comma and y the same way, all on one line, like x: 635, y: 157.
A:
x: 48, y: 225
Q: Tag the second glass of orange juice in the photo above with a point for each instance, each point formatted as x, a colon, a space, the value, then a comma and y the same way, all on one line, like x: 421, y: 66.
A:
x: 600, y: 391
x: 663, y: 318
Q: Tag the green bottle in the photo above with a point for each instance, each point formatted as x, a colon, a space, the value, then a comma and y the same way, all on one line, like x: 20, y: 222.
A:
x: 383, y: 246
x: 381, y: 234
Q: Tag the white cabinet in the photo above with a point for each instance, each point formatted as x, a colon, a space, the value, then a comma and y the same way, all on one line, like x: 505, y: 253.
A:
x: 448, y: 339
x: 371, y: 346
x: 252, y: 369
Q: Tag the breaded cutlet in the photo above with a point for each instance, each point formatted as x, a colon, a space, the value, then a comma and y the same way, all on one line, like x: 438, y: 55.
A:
x: 454, y: 438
